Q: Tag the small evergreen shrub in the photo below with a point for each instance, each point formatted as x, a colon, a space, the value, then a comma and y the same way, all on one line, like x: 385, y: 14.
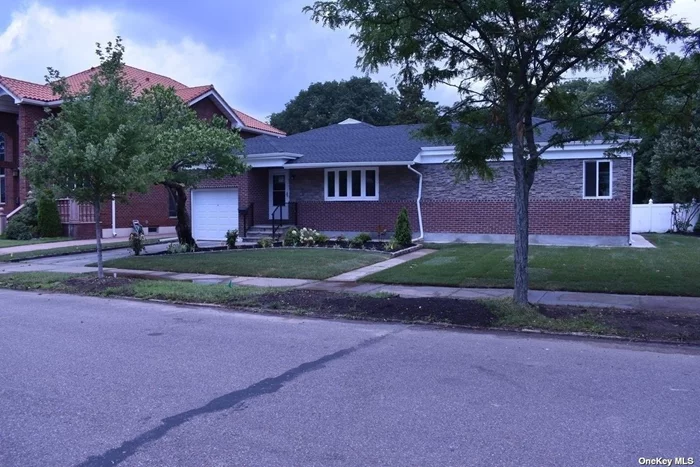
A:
x: 321, y: 239
x: 48, y: 218
x: 402, y: 231
x: 231, y: 239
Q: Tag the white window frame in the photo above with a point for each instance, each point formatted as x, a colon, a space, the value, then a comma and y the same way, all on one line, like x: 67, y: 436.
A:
x: 363, y: 184
x: 597, y: 179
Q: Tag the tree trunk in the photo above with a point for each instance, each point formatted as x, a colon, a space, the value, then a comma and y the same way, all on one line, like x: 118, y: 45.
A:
x: 184, y: 223
x: 522, y: 231
x: 98, y: 239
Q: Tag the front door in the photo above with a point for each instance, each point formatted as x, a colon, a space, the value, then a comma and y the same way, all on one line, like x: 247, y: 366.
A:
x: 279, y: 193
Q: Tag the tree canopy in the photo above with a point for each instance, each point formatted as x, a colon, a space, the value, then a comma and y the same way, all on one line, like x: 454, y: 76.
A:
x: 182, y: 149
x: 93, y: 147
x: 323, y: 104
x: 505, y: 58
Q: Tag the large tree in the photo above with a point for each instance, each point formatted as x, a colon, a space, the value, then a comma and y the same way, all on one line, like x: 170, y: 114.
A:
x: 92, y: 148
x: 324, y: 104
x: 182, y: 150
x: 503, y: 57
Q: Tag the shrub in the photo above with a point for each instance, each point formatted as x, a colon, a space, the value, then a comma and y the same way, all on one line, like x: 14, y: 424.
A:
x: 23, y: 225
x: 402, y: 231
x: 696, y: 229
x: 231, y: 238
x: 137, y: 243
x: 17, y: 229
x: 321, y: 239
x: 392, y: 244
x: 291, y: 237
x: 265, y: 242
x: 360, y: 240
x: 177, y: 248
x: 304, y: 236
x: 48, y: 218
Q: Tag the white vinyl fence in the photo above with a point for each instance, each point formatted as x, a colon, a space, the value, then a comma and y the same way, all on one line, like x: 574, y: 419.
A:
x: 653, y: 218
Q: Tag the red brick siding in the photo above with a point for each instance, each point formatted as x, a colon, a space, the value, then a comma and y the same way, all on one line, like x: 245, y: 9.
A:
x: 547, y: 217
x: 151, y: 209
x: 8, y: 127
x: 354, y: 216
x: 206, y: 109
x: 28, y: 116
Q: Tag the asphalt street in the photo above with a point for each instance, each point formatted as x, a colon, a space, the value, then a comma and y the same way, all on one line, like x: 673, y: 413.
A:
x: 96, y: 382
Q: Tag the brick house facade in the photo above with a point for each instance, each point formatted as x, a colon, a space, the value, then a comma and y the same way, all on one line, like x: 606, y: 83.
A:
x: 23, y: 104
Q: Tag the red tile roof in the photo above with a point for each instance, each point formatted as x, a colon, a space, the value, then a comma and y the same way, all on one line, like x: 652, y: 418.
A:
x: 141, y: 79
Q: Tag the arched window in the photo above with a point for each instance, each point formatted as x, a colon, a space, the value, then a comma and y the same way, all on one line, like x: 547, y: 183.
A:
x: 2, y: 169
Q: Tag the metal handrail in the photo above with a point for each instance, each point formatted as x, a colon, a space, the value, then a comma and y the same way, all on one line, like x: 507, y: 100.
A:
x: 244, y: 212
x: 274, y: 227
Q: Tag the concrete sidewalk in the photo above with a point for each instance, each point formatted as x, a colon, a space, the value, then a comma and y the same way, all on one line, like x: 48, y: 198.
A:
x: 53, y: 245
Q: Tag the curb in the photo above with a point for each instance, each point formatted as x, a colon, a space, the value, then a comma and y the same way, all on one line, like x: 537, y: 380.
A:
x: 290, y: 314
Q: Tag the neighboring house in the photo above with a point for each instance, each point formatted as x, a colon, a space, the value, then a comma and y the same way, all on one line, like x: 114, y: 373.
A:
x: 22, y: 104
x: 353, y: 177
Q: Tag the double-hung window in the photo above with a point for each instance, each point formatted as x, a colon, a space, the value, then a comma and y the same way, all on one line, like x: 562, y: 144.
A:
x: 597, y: 179
x: 2, y: 170
x: 352, y: 184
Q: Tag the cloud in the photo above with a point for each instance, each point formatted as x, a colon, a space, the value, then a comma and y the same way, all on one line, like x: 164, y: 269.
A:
x: 39, y: 36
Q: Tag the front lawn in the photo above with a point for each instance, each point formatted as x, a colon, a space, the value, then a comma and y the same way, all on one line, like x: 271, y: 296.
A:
x: 295, y: 263
x: 673, y: 268
x: 5, y: 243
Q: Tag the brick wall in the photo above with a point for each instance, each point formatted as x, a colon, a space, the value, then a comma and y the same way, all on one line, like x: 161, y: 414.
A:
x: 28, y: 116
x: 557, y: 206
x: 475, y: 206
x: 395, y: 184
x: 151, y: 209
x: 9, y: 129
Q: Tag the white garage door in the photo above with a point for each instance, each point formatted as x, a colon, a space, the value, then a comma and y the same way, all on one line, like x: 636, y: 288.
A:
x: 214, y: 212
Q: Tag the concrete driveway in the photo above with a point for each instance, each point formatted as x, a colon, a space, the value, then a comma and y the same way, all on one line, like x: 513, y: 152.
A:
x: 94, y: 382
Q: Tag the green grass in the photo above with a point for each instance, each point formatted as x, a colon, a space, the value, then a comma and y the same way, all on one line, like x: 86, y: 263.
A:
x: 511, y: 315
x: 295, y: 263
x: 5, y: 243
x: 673, y: 268
x: 66, y: 251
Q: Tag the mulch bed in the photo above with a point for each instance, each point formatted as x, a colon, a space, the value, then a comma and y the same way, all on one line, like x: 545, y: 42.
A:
x: 334, y: 304
x: 93, y: 285
x: 643, y: 324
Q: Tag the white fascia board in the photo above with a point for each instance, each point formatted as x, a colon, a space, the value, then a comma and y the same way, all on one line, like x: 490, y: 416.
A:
x: 222, y: 104
x: 592, y: 150
x: 328, y: 165
x: 6, y: 92
x: 278, y: 159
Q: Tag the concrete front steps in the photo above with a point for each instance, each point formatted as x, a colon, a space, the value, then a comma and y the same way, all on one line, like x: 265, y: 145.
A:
x: 259, y: 231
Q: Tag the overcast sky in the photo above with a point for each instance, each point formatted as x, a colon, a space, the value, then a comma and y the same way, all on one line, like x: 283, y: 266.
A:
x: 259, y: 54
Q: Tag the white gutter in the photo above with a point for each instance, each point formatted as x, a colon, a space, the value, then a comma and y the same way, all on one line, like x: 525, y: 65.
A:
x: 114, y: 215
x: 420, y: 195
x: 320, y: 165
x: 631, y: 195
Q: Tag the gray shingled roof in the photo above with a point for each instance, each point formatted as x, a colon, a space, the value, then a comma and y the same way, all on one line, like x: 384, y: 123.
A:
x: 359, y: 142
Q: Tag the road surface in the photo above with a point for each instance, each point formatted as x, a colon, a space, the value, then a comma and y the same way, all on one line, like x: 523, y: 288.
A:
x: 95, y: 382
